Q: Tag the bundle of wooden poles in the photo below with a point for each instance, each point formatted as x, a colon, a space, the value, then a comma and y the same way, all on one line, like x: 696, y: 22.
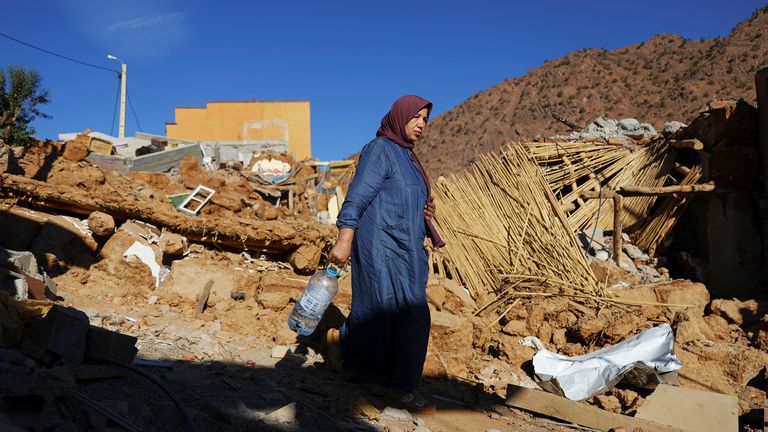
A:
x: 571, y: 169
x: 509, y: 221
x: 502, y: 224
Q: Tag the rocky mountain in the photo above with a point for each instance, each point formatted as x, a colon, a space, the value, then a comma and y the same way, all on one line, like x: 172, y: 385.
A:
x: 664, y: 78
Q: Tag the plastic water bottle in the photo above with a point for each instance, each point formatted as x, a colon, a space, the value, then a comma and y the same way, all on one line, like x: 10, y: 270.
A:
x: 311, y: 306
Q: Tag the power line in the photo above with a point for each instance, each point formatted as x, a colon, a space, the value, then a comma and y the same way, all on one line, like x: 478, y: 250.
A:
x: 58, y: 55
x: 132, y: 110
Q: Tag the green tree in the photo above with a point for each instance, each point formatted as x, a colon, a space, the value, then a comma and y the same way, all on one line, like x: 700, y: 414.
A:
x: 21, y: 95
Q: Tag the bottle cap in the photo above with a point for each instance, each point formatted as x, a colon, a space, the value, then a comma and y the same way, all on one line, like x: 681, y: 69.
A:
x: 332, y: 270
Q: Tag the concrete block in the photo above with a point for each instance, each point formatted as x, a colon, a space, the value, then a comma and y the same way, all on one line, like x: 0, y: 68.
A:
x: 61, y: 334
x: 104, y: 344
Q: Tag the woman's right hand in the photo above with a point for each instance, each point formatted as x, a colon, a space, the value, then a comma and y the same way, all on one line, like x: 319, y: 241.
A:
x: 339, y: 254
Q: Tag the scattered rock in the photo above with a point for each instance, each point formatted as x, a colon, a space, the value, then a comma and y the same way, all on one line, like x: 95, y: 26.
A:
x: 629, y: 124
x: 608, y: 402
x: 585, y: 329
x: 671, y: 127
x: 173, y: 244
x: 390, y: 413
x: 735, y: 311
x: 306, y: 258
x: 627, y: 264
x: 101, y: 224
x: 276, y: 300
x: 634, y: 252
x: 75, y: 151
x: 286, y: 414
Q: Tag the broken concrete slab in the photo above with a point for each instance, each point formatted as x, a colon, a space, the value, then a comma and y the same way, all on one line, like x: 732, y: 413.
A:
x: 691, y: 410
x: 551, y: 405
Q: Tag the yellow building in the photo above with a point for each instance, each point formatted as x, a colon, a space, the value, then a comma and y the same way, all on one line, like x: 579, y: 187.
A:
x: 249, y: 121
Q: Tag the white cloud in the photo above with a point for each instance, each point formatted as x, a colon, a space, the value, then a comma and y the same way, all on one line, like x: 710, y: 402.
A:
x: 147, y: 21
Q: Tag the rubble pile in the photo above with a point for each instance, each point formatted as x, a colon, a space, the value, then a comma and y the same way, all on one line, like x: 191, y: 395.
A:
x: 628, y: 131
x: 102, y: 274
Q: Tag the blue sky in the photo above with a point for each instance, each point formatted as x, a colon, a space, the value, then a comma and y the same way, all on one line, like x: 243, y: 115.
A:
x: 350, y: 59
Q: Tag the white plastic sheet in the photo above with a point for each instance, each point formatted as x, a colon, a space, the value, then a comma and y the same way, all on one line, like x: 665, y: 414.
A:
x: 583, y: 376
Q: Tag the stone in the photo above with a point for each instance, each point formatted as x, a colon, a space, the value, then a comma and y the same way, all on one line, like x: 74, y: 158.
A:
x: 629, y: 124
x: 627, y: 264
x: 735, y: 311
x: 586, y: 328
x: 687, y: 328
x: 608, y: 402
x: 460, y: 292
x: 75, y: 151
x: 648, y: 270
x: 286, y: 414
x: 760, y: 335
x: 634, y: 252
x: 558, y: 337
x: 718, y: 326
x: 604, y: 123
x: 515, y: 328
x: 436, y: 296
x: 671, y: 127
x: 390, y: 413
x: 101, y: 224
x: 152, y: 299
x: 627, y: 325
x: 306, y: 258
x: 276, y: 301
x: 625, y: 396
x: 173, y: 244
x: 602, y: 255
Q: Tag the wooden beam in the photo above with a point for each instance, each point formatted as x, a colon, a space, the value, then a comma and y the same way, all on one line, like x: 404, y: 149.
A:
x: 277, y: 237
x: 605, y: 194
x: 682, y: 169
x: 688, y: 144
x: 630, y: 191
x: 667, y: 190
x: 618, y: 208
x: 582, y: 414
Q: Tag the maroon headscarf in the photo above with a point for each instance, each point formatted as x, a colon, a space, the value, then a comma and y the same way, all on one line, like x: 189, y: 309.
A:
x: 393, y: 127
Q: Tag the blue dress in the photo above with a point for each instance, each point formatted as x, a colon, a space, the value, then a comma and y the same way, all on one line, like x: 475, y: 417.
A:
x: 386, y: 333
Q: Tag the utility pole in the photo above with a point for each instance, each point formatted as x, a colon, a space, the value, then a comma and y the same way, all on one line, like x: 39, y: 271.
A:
x: 123, y: 87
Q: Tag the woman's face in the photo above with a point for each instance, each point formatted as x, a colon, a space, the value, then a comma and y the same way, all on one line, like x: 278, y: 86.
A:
x: 415, y: 127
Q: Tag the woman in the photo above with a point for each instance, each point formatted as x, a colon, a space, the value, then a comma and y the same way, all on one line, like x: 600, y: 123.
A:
x: 382, y: 224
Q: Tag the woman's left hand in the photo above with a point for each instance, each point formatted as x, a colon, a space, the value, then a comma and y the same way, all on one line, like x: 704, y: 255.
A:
x: 429, y: 210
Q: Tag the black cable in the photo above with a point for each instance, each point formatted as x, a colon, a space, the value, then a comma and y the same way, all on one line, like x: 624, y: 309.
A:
x: 187, y: 418
x: 132, y: 110
x: 114, y: 111
x: 57, y: 55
